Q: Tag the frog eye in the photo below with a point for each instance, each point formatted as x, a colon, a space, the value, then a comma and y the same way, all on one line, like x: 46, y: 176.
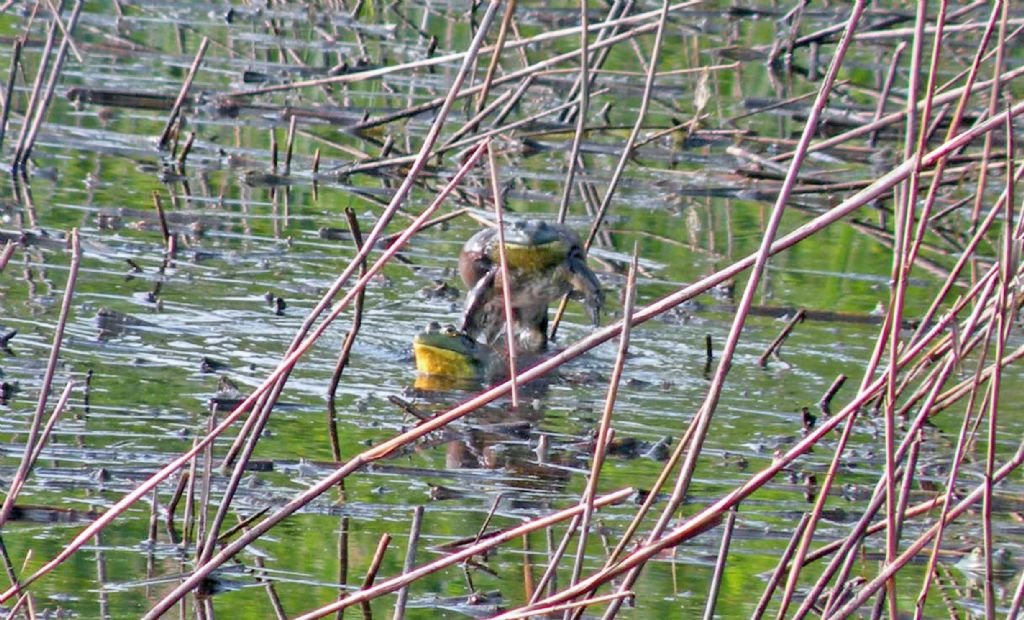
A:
x: 450, y: 331
x: 433, y: 327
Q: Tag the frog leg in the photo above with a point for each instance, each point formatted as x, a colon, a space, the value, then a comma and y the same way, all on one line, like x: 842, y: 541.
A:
x: 474, y: 317
x: 585, y: 284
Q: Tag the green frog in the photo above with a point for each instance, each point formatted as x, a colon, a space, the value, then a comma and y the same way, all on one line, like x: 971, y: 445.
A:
x: 449, y: 352
x: 545, y: 262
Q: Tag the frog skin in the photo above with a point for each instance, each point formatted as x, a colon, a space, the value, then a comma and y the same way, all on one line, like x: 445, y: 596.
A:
x: 545, y: 262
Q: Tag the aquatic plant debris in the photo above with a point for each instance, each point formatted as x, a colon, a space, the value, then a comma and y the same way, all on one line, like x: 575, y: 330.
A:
x: 805, y: 218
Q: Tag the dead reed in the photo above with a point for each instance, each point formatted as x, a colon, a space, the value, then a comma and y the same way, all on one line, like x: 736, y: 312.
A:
x: 944, y: 136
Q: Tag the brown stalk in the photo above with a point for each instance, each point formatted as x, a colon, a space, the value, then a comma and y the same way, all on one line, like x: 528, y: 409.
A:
x: 185, y: 150
x: 882, y: 185
x: 825, y: 404
x: 24, y: 599
x: 976, y: 238
x: 289, y: 145
x: 624, y: 156
x: 172, y: 118
x: 889, y: 570
x: 243, y: 524
x: 509, y: 77
x: 917, y: 510
x: 600, y: 50
x: 188, y: 526
x: 350, y: 338
x: 9, y: 91
x: 378, y: 558
x: 469, y: 142
x: 513, y: 100
x: 773, y: 348
x: 22, y: 154
x: 846, y: 556
x: 915, y: 438
x: 6, y: 253
x: 904, y: 207
x: 25, y: 466
x: 397, y: 198
x: 409, y: 408
x: 954, y: 471
x: 487, y: 519
x: 410, y: 560
x: 499, y: 46
x: 342, y: 561
x: 604, y: 430
x: 710, y: 515
x: 807, y: 532
x: 154, y: 506
x: 272, y: 595
x: 955, y: 393
x: 780, y: 568
x: 1001, y: 311
x: 954, y: 124
x: 162, y: 218
x: 458, y: 56
x: 897, y: 117
x: 581, y: 115
x: 886, y: 89
x: 65, y: 31
x: 506, y: 285
x: 51, y: 422
x: 274, y: 378
x: 576, y: 606
x: 9, y: 569
x: 388, y: 240
x: 899, y: 33
x: 273, y: 150
x: 205, y: 482
x: 37, y: 89
x: 555, y: 555
x: 371, y: 572
x: 474, y: 121
x: 702, y: 419
x: 716, y: 575
x: 1018, y: 597
x: 390, y: 585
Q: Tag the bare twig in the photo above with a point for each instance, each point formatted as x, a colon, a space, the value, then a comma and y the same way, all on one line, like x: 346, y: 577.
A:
x: 410, y: 560
x: 172, y: 118
x: 9, y: 90
x: 882, y: 185
x: 506, y: 285
x: 33, y: 438
x: 716, y: 576
x: 773, y: 348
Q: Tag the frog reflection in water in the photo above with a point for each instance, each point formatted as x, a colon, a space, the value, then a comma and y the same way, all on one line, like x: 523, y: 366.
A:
x: 972, y: 565
x: 545, y: 262
x: 974, y: 562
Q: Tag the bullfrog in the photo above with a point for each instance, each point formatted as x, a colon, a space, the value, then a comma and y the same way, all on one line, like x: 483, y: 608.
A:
x: 449, y: 352
x: 545, y: 261
x: 974, y: 562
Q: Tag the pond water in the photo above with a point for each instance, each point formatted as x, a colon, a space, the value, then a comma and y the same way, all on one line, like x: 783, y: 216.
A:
x: 155, y: 338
